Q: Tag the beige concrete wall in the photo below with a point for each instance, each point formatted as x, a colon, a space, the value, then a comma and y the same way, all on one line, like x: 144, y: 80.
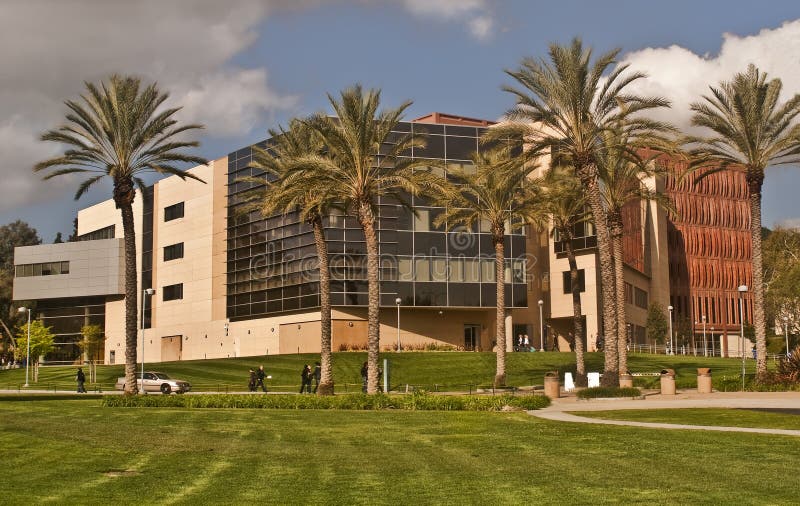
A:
x: 561, y: 303
x: 219, y: 237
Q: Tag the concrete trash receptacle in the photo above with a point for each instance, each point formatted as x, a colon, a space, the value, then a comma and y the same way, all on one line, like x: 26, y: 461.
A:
x: 668, y: 382
x: 703, y: 380
x: 626, y: 380
x: 552, y: 388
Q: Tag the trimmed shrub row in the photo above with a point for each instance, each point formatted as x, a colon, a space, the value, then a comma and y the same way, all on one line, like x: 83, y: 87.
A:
x: 416, y: 401
x: 606, y: 392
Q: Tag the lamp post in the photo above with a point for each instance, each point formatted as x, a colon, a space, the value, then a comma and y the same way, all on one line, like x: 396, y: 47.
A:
x: 541, y: 326
x: 397, y: 301
x: 713, y: 344
x: 28, y: 358
x: 705, y: 342
x: 742, y: 290
x: 145, y: 293
x: 671, y: 343
x: 786, y: 333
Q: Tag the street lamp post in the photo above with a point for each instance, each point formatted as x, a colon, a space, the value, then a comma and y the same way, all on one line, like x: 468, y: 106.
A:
x: 145, y: 293
x: 786, y: 333
x: 28, y: 357
x: 671, y: 343
x: 541, y: 326
x: 742, y: 290
x: 713, y: 344
x: 705, y: 342
x: 397, y: 301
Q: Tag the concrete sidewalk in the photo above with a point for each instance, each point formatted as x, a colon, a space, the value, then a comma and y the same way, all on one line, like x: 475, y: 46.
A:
x: 560, y: 408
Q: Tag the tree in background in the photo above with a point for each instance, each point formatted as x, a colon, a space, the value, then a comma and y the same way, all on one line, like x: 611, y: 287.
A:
x: 41, y: 344
x: 58, y: 239
x: 782, y: 279
x: 12, y: 235
x: 92, y: 344
x: 750, y: 130
x: 657, y: 324
x: 120, y: 131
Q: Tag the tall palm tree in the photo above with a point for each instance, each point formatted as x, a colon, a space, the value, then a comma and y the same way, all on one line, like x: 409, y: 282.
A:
x: 566, y: 104
x: 751, y: 130
x: 292, y: 187
x: 622, y: 171
x: 363, y: 161
x: 120, y: 131
x: 564, y: 204
x: 498, y: 192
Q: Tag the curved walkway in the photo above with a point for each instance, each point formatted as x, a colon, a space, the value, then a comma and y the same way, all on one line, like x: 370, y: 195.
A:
x: 560, y: 408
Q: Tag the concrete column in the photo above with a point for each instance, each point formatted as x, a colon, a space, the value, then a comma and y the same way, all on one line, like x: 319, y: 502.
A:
x: 509, y: 332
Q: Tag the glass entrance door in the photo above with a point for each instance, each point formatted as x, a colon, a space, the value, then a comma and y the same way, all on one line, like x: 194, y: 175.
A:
x: 471, y: 336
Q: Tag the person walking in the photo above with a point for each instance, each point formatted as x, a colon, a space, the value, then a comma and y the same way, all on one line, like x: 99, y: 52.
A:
x: 305, y: 376
x: 260, y: 375
x: 526, y: 343
x: 251, y: 384
x: 81, y: 378
x: 317, y: 375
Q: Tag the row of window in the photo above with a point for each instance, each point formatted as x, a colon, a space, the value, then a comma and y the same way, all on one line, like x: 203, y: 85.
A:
x: 42, y: 269
x: 103, y: 233
x: 635, y: 295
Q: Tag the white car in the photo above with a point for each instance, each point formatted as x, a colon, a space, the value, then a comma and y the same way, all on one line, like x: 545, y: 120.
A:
x: 157, y: 382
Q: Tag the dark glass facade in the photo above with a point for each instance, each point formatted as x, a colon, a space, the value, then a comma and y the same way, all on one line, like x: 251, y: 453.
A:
x: 67, y: 317
x: 272, y: 264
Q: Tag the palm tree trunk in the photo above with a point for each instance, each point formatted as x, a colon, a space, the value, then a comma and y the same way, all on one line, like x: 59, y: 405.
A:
x: 130, y: 295
x: 367, y: 220
x: 755, y: 180
x: 577, y: 313
x: 588, y: 176
x: 498, y: 235
x: 326, y: 375
x: 619, y: 281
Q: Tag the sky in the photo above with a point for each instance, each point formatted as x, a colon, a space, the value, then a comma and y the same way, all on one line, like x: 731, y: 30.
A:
x: 242, y: 66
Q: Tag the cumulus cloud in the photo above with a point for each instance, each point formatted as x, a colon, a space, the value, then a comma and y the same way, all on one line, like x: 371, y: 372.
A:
x: 683, y: 76
x: 474, y: 13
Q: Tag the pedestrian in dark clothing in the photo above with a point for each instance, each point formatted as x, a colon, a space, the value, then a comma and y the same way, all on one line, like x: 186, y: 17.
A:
x: 364, y: 371
x: 260, y: 375
x: 81, y: 380
x: 317, y: 375
x: 305, y: 376
x: 251, y: 384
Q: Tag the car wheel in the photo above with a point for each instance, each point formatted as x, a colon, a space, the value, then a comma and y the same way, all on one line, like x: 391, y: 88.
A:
x: 166, y: 389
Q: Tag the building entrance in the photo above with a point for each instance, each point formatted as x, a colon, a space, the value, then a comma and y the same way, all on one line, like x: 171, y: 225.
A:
x: 471, y: 336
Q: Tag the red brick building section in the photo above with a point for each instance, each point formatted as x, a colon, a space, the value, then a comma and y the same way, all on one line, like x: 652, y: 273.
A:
x: 710, y: 251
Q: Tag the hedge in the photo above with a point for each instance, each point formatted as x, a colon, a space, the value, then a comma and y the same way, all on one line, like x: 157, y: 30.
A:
x: 421, y: 401
x: 608, y: 392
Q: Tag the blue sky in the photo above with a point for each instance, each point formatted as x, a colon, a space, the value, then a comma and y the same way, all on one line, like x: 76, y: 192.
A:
x: 243, y: 66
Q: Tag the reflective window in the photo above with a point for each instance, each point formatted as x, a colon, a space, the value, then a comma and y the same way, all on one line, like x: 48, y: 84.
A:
x: 173, y: 212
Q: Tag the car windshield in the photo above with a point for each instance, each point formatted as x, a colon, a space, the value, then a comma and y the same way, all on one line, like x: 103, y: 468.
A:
x: 160, y: 375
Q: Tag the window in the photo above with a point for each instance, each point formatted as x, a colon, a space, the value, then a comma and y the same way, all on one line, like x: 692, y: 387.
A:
x: 173, y: 252
x: 173, y: 212
x: 173, y: 292
x: 103, y: 233
x: 628, y: 293
x: 568, y: 281
x: 43, y: 269
x: 640, y: 298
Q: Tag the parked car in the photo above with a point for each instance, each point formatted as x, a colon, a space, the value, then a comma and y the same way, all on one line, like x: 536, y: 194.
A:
x: 157, y: 382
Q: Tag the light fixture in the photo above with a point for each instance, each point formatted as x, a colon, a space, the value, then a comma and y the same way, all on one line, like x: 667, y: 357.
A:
x: 147, y: 292
x: 28, y: 357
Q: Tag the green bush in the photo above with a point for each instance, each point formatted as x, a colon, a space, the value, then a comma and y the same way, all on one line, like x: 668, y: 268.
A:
x: 604, y: 392
x: 420, y: 401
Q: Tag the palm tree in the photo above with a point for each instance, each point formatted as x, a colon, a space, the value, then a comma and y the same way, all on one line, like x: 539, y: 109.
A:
x: 364, y: 161
x: 564, y: 204
x: 750, y: 131
x: 498, y: 192
x: 120, y: 131
x: 565, y: 105
x: 292, y: 187
x: 622, y: 170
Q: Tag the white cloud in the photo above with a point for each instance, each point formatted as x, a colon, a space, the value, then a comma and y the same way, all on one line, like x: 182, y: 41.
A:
x: 683, y: 76
x: 474, y: 13
x: 793, y: 223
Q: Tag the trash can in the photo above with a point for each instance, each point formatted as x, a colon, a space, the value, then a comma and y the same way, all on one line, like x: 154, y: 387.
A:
x: 626, y: 380
x: 703, y: 380
x: 668, y: 382
x: 551, y: 387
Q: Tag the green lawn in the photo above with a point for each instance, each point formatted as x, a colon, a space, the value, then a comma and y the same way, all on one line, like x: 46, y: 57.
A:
x: 704, y: 416
x: 430, y: 370
x: 76, y: 452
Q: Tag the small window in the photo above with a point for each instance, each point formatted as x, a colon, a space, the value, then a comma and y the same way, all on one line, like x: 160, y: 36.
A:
x: 173, y: 252
x: 568, y: 281
x: 173, y: 212
x: 640, y: 298
x: 173, y: 292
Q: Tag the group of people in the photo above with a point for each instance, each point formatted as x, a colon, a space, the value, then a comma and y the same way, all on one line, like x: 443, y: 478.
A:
x: 523, y: 343
x: 307, y: 376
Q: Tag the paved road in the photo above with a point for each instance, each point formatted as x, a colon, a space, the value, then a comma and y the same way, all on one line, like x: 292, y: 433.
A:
x: 560, y: 408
